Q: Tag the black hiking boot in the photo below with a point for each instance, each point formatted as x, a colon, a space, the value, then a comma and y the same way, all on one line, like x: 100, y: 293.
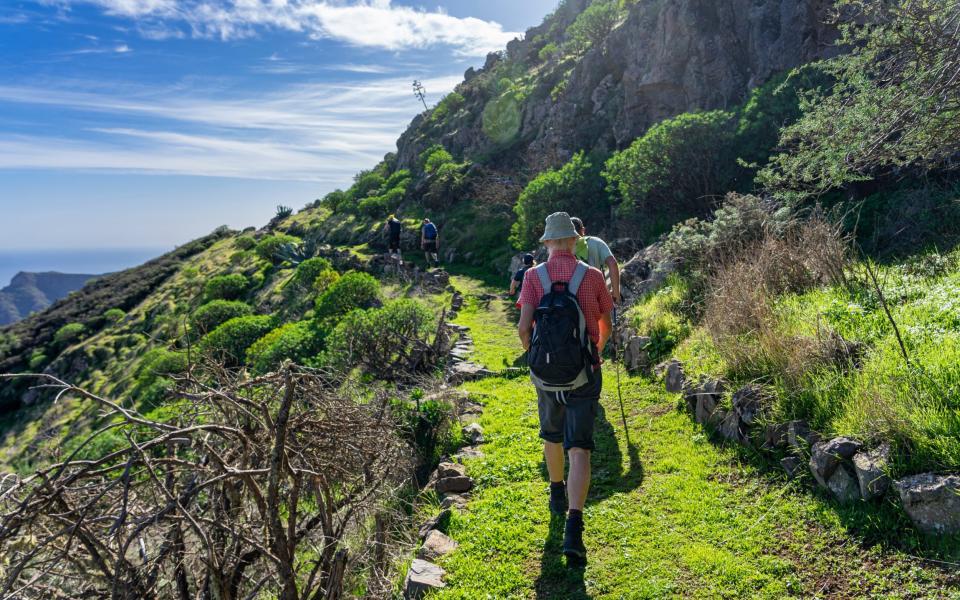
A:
x: 573, y: 547
x: 558, y: 498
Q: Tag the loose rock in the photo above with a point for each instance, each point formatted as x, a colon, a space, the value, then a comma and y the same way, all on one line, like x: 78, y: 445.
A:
x: 473, y: 433
x: 453, y: 501
x: 454, y: 484
x: 467, y: 371
x: 436, y: 545
x: 675, y: 377
x: 792, y: 465
x: 748, y: 402
x: 932, y: 501
x: 829, y: 463
x: 731, y: 428
x: 635, y: 356
x: 800, y: 437
x: 869, y: 467
x: 775, y: 436
x: 422, y: 578
x: 439, y: 521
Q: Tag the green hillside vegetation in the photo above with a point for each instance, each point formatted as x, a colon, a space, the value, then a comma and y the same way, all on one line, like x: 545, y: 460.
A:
x: 804, y: 240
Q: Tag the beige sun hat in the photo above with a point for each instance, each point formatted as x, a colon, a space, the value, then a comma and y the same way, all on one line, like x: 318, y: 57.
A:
x: 558, y: 227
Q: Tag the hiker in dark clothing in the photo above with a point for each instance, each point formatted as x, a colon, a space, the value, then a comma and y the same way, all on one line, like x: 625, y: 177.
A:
x: 393, y: 228
x: 516, y: 284
x: 430, y: 242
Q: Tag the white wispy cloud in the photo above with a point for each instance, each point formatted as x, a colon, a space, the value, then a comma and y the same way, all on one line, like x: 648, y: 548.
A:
x: 369, y: 23
x: 310, y: 132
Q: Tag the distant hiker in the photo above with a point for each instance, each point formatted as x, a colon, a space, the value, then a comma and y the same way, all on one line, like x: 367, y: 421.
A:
x: 564, y: 325
x: 596, y: 253
x: 393, y: 228
x: 516, y: 284
x: 430, y: 242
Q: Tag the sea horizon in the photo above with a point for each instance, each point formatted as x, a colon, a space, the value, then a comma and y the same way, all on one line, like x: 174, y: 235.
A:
x: 92, y: 261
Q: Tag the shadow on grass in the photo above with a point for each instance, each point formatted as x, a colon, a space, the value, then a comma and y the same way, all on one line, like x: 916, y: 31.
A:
x: 557, y: 581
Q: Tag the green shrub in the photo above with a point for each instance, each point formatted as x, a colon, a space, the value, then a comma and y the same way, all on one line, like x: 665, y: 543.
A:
x: 576, y: 188
x: 270, y: 246
x: 380, y: 341
x: 547, y: 52
x: 502, y: 117
x: 351, y: 291
x: 426, y: 425
x: 225, y: 287
x: 213, y: 314
x: 245, y: 242
x: 337, y: 200
x: 69, y: 334
x: 435, y: 157
x: 653, y: 175
x: 324, y: 280
x: 229, y: 342
x: 37, y: 360
x: 298, y: 342
x: 306, y: 273
x: 448, y: 106
x: 114, y: 315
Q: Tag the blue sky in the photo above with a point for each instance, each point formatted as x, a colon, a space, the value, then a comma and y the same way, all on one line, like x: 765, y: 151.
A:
x: 145, y: 123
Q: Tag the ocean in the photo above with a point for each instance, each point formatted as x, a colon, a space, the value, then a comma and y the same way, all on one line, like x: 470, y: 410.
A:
x: 94, y: 261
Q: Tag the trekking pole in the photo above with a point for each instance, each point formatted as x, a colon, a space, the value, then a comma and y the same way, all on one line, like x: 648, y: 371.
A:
x: 616, y: 361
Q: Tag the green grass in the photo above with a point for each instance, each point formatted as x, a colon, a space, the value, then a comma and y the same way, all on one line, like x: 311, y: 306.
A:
x: 670, y: 513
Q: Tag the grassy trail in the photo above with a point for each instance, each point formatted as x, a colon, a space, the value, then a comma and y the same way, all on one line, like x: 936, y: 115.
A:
x: 670, y: 513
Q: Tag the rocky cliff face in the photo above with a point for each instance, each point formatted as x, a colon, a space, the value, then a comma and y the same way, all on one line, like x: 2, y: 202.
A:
x: 33, y: 292
x: 667, y: 57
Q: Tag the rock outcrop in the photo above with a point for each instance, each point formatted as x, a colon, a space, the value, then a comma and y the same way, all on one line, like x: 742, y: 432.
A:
x: 662, y: 60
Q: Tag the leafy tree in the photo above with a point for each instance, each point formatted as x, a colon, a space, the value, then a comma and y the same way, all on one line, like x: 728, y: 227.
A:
x: 593, y: 25
x: 213, y: 314
x: 270, y: 246
x: 229, y: 342
x: 337, y: 200
x: 225, y: 287
x: 894, y: 105
x: 69, y: 333
x: 577, y: 188
x: 678, y: 166
x: 298, y: 342
x: 353, y: 290
x: 381, y: 341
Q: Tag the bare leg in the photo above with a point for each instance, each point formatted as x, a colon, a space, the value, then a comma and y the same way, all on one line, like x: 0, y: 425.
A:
x: 578, y: 481
x: 553, y: 455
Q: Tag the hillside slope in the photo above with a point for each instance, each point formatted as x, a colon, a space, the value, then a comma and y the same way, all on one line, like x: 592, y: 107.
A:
x: 33, y: 292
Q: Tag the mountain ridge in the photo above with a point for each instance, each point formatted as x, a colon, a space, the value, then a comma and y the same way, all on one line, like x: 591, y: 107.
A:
x: 30, y: 292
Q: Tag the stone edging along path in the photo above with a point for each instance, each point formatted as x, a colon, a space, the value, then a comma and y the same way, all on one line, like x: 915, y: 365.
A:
x: 849, y: 471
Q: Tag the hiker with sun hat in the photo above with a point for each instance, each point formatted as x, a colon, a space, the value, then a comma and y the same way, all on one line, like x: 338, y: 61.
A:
x: 565, y: 322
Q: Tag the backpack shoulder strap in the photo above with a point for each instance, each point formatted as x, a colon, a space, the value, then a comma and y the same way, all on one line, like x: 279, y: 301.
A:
x: 545, y: 280
x: 578, y: 274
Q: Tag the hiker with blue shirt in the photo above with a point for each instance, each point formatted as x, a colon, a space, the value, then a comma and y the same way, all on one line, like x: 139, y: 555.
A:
x: 430, y: 242
x: 596, y: 253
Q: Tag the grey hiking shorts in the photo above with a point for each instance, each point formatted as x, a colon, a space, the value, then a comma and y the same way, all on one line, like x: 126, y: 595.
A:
x: 570, y: 423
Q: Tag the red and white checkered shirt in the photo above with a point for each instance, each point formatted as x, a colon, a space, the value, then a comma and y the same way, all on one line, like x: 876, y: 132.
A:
x: 594, y: 297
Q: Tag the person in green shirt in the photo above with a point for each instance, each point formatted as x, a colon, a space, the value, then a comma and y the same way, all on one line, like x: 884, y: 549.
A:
x: 596, y: 253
